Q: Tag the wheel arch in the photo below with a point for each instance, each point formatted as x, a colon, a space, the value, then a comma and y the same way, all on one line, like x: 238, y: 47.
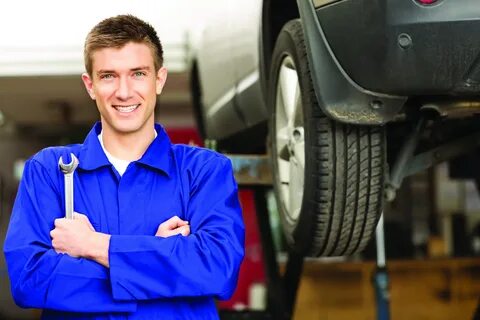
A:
x: 342, y: 99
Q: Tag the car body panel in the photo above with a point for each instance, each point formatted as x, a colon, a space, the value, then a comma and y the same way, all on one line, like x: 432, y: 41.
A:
x: 217, y: 79
x: 365, y: 83
x: 245, y: 49
x: 403, y: 48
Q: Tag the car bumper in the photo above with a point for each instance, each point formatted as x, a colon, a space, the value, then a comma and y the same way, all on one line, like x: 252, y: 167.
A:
x: 399, y: 47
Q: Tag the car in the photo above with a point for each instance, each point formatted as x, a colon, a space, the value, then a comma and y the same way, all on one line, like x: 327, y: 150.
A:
x: 347, y: 97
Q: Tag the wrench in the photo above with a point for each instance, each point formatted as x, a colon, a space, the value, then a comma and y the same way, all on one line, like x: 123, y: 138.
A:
x: 68, y: 170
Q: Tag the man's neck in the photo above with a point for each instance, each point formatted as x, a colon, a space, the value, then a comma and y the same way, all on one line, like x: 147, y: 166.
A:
x: 129, y: 146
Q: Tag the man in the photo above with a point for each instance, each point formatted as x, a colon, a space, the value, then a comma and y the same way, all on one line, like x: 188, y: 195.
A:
x: 158, y: 233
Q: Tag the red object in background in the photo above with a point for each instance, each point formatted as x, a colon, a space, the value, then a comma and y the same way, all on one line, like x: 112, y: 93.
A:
x: 252, y: 269
x: 184, y: 136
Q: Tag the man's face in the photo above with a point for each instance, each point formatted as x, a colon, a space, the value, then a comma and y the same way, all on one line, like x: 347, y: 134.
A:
x: 124, y: 85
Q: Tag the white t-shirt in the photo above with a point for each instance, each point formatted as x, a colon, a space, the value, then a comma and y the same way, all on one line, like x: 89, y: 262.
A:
x: 119, y: 164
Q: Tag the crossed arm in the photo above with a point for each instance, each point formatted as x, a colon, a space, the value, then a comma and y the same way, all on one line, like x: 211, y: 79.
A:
x: 77, y: 237
x: 111, y: 273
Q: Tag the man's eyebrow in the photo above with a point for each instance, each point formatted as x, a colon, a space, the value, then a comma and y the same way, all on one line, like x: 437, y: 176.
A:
x: 104, y: 71
x: 147, y: 68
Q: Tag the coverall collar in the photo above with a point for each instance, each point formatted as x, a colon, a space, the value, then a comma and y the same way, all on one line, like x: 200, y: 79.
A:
x: 157, y: 156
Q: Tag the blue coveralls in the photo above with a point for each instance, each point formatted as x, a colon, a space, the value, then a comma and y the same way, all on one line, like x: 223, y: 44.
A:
x: 149, y: 277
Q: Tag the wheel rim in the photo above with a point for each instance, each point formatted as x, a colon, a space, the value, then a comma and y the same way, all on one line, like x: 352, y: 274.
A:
x: 290, y: 139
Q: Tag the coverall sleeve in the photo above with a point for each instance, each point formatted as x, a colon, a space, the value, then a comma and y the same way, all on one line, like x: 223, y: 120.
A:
x: 40, y: 277
x: 205, y: 263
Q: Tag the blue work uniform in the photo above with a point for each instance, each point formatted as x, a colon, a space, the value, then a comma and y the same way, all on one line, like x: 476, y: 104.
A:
x: 149, y: 277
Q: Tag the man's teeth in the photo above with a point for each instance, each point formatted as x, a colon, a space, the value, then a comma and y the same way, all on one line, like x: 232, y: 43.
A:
x: 126, y: 109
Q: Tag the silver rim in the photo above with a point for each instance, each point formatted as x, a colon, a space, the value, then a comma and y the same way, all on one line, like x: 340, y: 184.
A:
x: 290, y: 139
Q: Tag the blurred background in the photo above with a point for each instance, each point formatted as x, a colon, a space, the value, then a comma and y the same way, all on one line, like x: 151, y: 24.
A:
x: 432, y: 229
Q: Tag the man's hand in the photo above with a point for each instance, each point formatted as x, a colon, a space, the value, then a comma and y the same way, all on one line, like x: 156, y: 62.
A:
x: 77, y: 238
x: 172, y: 227
x: 72, y: 236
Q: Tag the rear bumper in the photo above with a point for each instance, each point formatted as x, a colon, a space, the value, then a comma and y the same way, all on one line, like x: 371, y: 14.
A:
x: 398, y: 47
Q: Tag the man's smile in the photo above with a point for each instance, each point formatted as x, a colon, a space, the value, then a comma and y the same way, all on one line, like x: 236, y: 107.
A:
x: 126, y: 108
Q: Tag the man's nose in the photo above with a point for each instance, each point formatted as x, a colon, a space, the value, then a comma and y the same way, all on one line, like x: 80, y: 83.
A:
x: 123, y: 91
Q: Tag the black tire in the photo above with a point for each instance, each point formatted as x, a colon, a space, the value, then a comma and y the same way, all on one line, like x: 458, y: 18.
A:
x: 344, y: 165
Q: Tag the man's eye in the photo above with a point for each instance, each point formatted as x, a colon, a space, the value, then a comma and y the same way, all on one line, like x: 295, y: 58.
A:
x: 106, y: 76
x: 139, y: 74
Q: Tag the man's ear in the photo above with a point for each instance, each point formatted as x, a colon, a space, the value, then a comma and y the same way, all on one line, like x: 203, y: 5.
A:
x: 161, y: 79
x: 87, y: 81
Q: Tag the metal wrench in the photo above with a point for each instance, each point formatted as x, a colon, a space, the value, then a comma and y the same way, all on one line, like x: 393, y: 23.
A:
x: 68, y: 170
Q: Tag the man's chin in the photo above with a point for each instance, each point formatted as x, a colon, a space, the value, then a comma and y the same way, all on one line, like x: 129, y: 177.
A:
x: 123, y: 129
x: 126, y: 131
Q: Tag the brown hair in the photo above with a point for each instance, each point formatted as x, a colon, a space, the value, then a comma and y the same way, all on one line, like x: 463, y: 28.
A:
x: 115, y: 32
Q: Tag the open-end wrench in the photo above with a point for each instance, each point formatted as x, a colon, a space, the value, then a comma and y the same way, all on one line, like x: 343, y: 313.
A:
x: 68, y: 170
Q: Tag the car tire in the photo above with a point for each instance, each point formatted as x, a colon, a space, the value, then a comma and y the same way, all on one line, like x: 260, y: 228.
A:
x: 328, y: 176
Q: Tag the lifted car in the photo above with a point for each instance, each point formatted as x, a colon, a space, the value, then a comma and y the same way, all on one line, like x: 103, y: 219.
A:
x: 348, y: 97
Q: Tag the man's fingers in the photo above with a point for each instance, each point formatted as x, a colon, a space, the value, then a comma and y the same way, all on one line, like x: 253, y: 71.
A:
x: 78, y: 216
x: 58, y: 222
x: 173, y: 226
x: 182, y: 222
x: 184, y: 231
x: 165, y: 233
x: 83, y: 218
x: 173, y: 222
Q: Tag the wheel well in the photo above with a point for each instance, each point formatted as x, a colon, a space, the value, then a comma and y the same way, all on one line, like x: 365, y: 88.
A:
x: 275, y: 14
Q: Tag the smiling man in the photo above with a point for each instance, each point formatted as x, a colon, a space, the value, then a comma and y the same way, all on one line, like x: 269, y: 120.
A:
x: 158, y: 231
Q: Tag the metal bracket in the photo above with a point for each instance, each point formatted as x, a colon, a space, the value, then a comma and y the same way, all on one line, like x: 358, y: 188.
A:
x: 408, y: 164
x: 402, y: 163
